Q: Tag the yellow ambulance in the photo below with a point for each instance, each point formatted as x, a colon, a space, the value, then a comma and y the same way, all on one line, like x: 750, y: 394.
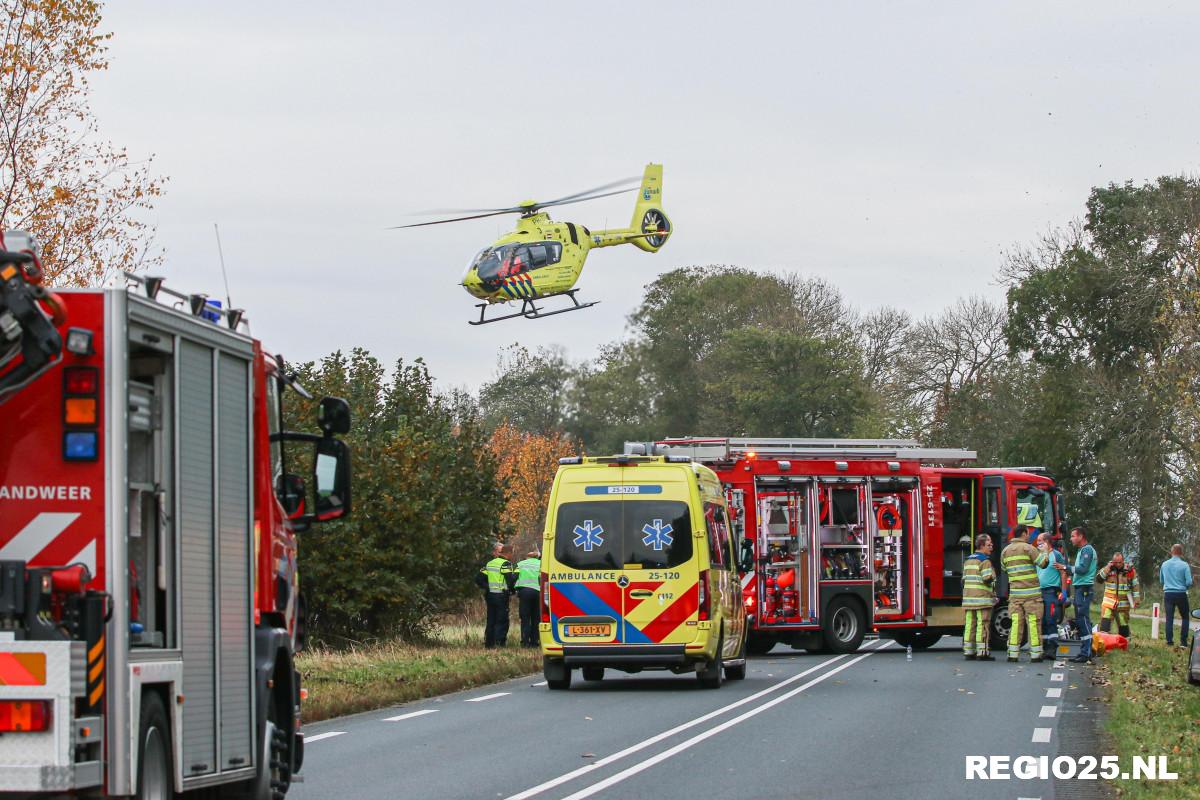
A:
x: 639, y: 572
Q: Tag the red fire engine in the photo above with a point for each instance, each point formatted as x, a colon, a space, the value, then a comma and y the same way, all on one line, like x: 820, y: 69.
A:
x: 844, y: 537
x: 149, y: 498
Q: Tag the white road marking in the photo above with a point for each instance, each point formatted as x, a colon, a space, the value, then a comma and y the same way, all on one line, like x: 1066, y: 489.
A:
x: 653, y: 740
x: 1042, y: 734
x: 411, y: 714
x: 320, y: 736
x: 486, y: 697
x: 1055, y: 692
x: 539, y: 683
x: 1059, y: 664
x: 1057, y: 676
x: 1048, y: 711
x: 600, y: 786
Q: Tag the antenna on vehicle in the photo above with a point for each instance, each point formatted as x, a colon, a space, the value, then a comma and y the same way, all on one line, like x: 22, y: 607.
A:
x: 224, y: 274
x: 234, y: 315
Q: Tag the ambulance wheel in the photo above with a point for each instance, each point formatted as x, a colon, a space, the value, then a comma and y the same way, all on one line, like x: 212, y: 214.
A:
x: 844, y: 627
x: 593, y: 673
x: 558, y: 674
x: 712, y: 672
x: 155, y: 779
x: 759, y: 644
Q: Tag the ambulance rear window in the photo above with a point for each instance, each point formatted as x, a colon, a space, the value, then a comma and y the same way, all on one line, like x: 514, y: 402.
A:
x: 611, y: 533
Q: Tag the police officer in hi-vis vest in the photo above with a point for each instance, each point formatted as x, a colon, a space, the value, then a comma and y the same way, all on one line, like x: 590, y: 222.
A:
x: 497, y: 578
x: 529, y: 573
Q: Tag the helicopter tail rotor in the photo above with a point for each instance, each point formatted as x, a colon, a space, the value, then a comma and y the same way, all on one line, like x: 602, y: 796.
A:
x: 648, y: 217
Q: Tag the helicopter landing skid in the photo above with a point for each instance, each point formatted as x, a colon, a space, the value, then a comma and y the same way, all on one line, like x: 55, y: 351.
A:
x: 530, y: 310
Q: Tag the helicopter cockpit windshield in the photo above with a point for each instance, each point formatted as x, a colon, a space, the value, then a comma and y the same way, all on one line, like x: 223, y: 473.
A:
x: 494, y: 264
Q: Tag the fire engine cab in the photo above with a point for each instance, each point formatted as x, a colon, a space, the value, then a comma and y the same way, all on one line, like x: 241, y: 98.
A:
x: 149, y: 498
x: 842, y: 538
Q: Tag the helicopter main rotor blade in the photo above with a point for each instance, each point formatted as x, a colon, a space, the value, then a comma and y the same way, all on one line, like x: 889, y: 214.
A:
x: 565, y: 202
x: 580, y: 195
x: 443, y: 221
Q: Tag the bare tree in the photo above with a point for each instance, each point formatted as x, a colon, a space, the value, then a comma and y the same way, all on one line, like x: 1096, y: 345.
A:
x: 83, y: 198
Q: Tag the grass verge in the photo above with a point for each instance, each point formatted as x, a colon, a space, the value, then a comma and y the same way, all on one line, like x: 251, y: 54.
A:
x: 1154, y: 712
x: 381, y: 675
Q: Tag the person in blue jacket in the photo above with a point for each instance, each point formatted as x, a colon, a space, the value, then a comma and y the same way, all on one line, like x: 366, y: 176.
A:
x: 1176, y: 577
x: 1083, y: 573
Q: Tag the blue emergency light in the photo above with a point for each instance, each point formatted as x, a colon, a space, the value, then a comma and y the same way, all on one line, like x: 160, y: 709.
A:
x: 81, y: 445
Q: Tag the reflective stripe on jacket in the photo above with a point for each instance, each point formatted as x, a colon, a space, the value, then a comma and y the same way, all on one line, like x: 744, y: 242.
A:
x: 1118, y: 588
x: 500, y: 574
x: 1021, y: 560
x: 529, y: 573
x: 979, y: 579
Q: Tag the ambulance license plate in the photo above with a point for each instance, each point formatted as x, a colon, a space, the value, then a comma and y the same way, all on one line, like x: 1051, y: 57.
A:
x: 588, y: 630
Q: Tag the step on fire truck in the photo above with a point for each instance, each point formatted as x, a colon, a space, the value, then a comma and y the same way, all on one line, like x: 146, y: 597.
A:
x: 149, y: 497
x: 843, y: 537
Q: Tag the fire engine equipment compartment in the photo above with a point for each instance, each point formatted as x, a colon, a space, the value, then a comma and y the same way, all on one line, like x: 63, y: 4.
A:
x: 783, y: 536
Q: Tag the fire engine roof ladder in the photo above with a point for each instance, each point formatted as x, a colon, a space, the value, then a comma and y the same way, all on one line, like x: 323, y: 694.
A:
x: 717, y: 449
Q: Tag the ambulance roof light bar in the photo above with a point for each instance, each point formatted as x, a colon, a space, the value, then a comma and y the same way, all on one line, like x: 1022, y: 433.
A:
x: 197, y: 304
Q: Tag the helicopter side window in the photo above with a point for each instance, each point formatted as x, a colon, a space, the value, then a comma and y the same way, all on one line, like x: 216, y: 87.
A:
x: 543, y: 254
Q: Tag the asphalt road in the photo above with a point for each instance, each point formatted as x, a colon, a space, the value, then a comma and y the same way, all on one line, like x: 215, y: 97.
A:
x: 868, y: 725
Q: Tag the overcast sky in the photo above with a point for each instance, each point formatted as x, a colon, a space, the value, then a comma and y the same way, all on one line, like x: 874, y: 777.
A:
x: 894, y: 149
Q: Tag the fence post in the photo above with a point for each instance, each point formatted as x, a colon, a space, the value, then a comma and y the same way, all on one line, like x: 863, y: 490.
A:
x: 1154, y: 619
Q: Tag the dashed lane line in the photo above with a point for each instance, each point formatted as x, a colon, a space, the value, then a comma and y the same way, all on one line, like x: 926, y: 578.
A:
x: 486, y: 697
x: 1057, y: 676
x: 539, y: 683
x: 1048, y: 711
x: 1042, y: 734
x: 667, y: 734
x: 411, y: 714
x: 320, y: 736
x: 1054, y: 692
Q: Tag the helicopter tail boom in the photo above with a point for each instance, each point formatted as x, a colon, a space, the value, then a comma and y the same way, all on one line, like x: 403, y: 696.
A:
x: 650, y: 227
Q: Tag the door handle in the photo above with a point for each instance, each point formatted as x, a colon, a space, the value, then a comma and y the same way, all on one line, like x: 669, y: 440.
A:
x: 641, y: 593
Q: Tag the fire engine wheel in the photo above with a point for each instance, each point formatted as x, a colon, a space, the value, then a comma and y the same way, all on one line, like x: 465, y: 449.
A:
x: 711, y: 673
x: 272, y: 782
x: 918, y: 640
x: 844, y: 627
x: 155, y: 778
x: 1001, y: 625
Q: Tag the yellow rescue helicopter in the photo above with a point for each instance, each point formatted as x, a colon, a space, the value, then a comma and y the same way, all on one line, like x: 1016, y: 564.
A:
x: 543, y: 258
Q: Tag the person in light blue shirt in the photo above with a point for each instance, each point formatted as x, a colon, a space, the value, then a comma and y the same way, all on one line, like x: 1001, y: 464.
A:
x: 1176, y: 577
x: 1050, y: 582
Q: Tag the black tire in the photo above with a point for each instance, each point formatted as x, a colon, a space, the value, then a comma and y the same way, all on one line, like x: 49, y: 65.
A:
x: 918, y: 640
x: 759, y: 644
x: 558, y: 674
x: 156, y: 777
x: 275, y: 778
x: 713, y: 672
x: 999, y: 627
x: 843, y: 626
x: 593, y: 673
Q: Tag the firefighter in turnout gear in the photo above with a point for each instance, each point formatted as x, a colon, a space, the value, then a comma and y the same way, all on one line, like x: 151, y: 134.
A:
x: 979, y: 595
x: 1021, y: 561
x: 1121, y: 593
x: 498, y: 579
x: 529, y: 572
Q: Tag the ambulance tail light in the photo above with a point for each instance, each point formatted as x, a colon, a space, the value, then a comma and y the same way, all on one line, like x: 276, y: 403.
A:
x: 544, y: 579
x: 24, y: 716
x: 703, y: 588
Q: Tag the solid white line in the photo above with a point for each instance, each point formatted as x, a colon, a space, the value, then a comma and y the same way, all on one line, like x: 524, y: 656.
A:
x: 320, y: 736
x: 411, y: 714
x: 540, y: 683
x: 1055, y: 692
x: 600, y: 786
x: 1048, y: 711
x: 1042, y: 734
x: 485, y: 697
x: 575, y: 773
x: 1056, y: 676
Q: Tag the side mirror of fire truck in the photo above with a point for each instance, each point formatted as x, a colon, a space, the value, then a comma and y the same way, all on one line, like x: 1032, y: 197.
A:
x: 333, y: 416
x: 747, y: 556
x: 331, y: 478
